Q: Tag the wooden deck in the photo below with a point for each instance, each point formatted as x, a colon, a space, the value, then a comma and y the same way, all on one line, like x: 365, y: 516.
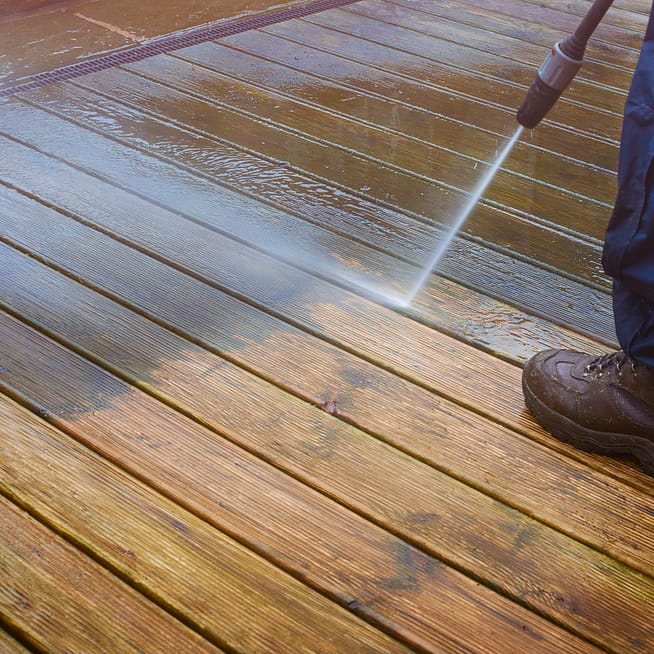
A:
x: 211, y: 444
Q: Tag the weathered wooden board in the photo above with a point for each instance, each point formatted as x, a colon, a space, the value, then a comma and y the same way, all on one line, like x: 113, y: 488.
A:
x: 328, y: 464
x: 538, y: 25
x: 412, y: 99
x: 222, y: 590
x: 326, y: 545
x: 425, y: 130
x: 504, y: 229
x: 399, y: 235
x: 10, y: 646
x: 391, y: 161
x: 592, y: 78
x: 340, y: 458
x: 490, y: 97
x: 287, y: 292
x: 471, y: 66
x: 68, y: 603
x: 630, y: 15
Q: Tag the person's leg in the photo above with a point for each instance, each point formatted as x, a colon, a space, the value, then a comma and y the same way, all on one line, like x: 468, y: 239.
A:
x: 629, y: 245
x: 606, y: 404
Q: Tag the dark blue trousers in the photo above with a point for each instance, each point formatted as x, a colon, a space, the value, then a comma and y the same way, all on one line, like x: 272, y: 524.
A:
x: 629, y: 247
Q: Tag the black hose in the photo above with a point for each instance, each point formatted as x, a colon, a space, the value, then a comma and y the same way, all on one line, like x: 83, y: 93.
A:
x: 575, y: 45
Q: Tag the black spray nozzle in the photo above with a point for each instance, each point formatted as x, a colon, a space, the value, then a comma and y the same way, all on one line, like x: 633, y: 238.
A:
x: 559, y: 68
x: 554, y: 76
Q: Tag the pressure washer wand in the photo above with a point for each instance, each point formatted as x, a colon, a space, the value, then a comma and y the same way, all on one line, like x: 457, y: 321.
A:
x: 560, y: 68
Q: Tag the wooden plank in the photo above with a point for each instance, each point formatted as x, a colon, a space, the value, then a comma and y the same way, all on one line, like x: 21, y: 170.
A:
x: 302, y: 379
x: 637, y: 6
x: 157, y: 231
x: 598, y: 75
x: 301, y: 52
x: 226, y: 592
x: 603, y: 103
x: 10, y: 646
x: 579, y: 257
x: 428, y: 130
x: 376, y: 574
x: 475, y: 265
x: 446, y: 305
x: 55, y: 177
x: 395, y: 156
x: 68, y: 603
x: 425, y: 65
x: 287, y: 306
x: 630, y: 16
x: 599, y: 150
x: 424, y: 68
x: 340, y: 458
x: 537, y: 25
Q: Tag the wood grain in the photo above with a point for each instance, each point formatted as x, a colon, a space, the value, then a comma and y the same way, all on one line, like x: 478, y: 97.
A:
x: 538, y: 25
x: 500, y: 228
x: 224, y: 590
x: 68, y: 603
x: 392, y: 244
x: 342, y: 322
x: 340, y: 457
x: 201, y: 412
x: 10, y: 646
x: 321, y: 542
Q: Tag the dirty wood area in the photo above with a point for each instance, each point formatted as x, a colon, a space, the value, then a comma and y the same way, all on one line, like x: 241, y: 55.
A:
x: 218, y: 433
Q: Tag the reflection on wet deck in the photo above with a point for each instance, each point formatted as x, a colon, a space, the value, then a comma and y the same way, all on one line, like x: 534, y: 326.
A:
x: 216, y: 439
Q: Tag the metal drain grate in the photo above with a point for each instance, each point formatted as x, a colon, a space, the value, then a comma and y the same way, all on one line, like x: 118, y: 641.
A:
x: 170, y: 43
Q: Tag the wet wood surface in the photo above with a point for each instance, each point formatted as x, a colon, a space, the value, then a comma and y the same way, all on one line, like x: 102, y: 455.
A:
x: 207, y: 416
x: 40, y: 35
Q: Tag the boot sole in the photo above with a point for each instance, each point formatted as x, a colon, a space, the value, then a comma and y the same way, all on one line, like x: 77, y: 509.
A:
x: 589, y: 440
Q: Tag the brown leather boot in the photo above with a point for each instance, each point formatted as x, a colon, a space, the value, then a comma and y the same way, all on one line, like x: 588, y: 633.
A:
x: 598, y: 404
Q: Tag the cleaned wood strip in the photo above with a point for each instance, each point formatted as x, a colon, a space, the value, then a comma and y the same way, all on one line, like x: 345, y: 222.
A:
x: 584, y: 97
x: 277, y: 287
x: 445, y: 305
x: 68, y: 603
x: 424, y: 63
x: 436, y: 202
x: 9, y: 646
x: 429, y: 130
x: 373, y: 572
x: 194, y: 383
x: 632, y: 17
x: 575, y: 256
x: 598, y: 75
x: 291, y: 303
x: 637, y: 6
x: 227, y: 592
x: 571, y: 298
x: 394, y: 153
x: 536, y: 25
x: 434, y: 106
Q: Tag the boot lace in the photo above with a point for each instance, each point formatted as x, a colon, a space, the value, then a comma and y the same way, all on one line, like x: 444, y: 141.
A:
x: 618, y: 359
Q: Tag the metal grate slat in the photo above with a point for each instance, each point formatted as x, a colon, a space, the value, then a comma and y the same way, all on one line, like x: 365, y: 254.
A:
x: 170, y: 43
